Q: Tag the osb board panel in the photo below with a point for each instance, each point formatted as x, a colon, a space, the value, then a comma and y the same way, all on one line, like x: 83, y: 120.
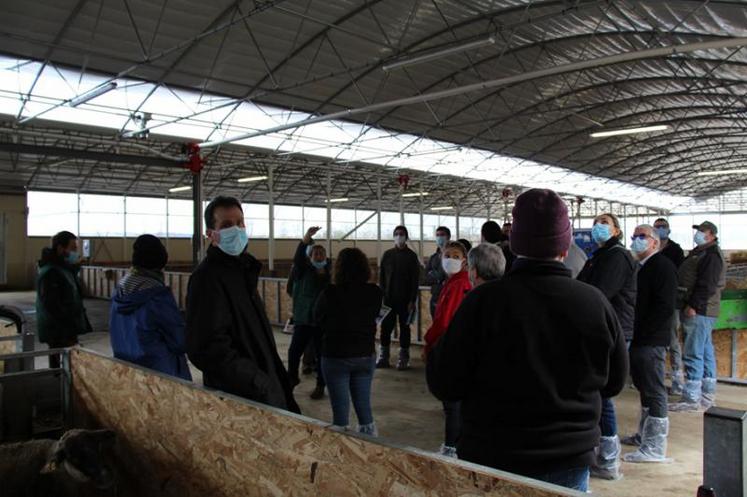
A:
x: 722, y: 345
x: 425, y: 311
x: 286, y: 303
x: 271, y: 300
x: 7, y: 328
x: 192, y: 442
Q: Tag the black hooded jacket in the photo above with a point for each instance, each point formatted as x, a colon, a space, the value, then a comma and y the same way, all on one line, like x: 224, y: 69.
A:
x: 229, y: 337
x: 613, y: 270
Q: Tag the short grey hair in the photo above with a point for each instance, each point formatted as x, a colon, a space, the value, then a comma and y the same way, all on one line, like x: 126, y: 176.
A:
x: 651, y: 230
x: 487, y: 260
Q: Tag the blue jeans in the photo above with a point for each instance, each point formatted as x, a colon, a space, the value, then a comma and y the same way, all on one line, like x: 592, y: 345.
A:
x: 576, y: 478
x: 608, y: 420
x: 699, y: 359
x: 346, y: 378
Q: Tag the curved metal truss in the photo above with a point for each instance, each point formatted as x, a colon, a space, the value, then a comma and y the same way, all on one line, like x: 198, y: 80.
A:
x: 324, y: 57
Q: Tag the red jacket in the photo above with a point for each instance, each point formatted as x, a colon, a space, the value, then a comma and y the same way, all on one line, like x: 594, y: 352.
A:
x: 452, y: 294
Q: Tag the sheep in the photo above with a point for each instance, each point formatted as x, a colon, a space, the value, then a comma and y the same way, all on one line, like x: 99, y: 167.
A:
x: 59, y: 468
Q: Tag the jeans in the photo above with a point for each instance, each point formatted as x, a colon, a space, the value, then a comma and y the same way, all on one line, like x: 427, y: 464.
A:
x: 576, y: 478
x: 675, y: 350
x: 346, y: 378
x: 699, y: 358
x: 399, y: 311
x: 303, y: 335
x: 647, y: 367
x: 453, y: 423
x: 608, y: 420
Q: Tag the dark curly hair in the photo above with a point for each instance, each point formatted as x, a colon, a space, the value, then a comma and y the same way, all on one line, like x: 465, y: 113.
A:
x: 351, y: 267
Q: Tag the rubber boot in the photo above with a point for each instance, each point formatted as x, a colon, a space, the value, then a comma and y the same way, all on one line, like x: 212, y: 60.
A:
x: 653, y: 442
x: 369, y: 429
x: 403, y: 363
x: 708, y: 399
x: 635, y: 439
x: 691, y: 395
x: 607, y: 464
x: 678, y: 382
x: 448, y: 451
x: 383, y: 361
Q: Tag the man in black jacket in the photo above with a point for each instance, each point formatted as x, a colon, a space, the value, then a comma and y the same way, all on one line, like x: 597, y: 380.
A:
x: 672, y: 251
x: 434, y: 272
x: 701, y: 276
x: 654, y: 308
x: 531, y: 356
x: 399, y: 279
x: 229, y: 337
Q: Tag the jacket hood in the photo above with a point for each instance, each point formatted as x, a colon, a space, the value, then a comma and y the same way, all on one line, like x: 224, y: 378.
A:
x: 49, y: 256
x: 127, y: 303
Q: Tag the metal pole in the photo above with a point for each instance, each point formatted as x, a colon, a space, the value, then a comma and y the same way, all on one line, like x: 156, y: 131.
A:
x: 78, y: 229
x: 378, y: 220
x: 167, y: 223
x: 124, y: 230
x: 458, y: 211
x: 271, y: 214
x: 422, y: 238
x: 329, y: 214
x: 196, y: 218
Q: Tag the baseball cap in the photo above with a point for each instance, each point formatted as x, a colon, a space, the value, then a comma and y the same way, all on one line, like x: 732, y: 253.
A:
x: 706, y: 225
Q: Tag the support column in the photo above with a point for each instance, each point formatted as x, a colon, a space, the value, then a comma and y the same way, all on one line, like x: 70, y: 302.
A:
x: 167, y: 223
x: 77, y: 232
x: 271, y: 219
x: 378, y: 220
x: 329, y: 213
x: 458, y: 212
x: 196, y: 218
x: 422, y: 238
x: 124, y: 229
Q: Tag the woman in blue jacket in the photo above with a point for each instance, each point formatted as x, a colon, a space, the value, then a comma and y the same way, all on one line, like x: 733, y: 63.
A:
x: 145, y: 324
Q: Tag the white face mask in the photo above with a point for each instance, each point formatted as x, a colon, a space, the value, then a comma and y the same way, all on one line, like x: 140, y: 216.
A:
x: 451, y: 266
x: 400, y: 240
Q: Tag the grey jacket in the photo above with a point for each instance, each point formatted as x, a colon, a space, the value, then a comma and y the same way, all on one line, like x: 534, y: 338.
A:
x: 701, y: 277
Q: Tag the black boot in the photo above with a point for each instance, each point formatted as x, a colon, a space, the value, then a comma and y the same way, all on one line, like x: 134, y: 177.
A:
x: 383, y: 361
x: 403, y: 363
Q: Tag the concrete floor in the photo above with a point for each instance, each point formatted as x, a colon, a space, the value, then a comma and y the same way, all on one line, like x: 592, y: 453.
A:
x: 408, y: 415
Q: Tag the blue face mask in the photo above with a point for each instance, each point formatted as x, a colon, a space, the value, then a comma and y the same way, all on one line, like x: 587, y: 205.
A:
x: 72, y: 258
x: 319, y: 264
x: 233, y: 240
x: 700, y: 238
x: 601, y: 233
x: 441, y: 241
x: 639, y: 245
x: 663, y: 233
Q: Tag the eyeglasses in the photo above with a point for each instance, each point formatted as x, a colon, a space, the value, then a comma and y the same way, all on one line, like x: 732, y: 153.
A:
x: 642, y: 236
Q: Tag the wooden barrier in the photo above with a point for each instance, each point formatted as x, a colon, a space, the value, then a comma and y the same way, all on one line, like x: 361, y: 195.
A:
x: 182, y: 440
x: 100, y: 282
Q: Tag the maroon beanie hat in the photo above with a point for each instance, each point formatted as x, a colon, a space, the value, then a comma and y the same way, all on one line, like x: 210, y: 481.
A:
x: 541, y: 226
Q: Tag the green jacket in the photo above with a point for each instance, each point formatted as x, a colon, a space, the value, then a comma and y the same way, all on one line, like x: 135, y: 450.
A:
x: 308, y: 284
x: 60, y: 315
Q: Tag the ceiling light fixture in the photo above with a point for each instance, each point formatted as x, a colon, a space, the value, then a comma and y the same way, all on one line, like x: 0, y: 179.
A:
x: 336, y: 200
x: 180, y: 189
x: 251, y: 179
x: 444, y: 208
x: 415, y: 194
x: 92, y: 93
x: 723, y: 172
x: 419, y: 59
x: 629, y: 131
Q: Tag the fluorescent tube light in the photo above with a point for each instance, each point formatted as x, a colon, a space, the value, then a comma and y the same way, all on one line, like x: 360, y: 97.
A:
x: 180, y: 189
x: 629, y: 131
x: 444, y: 208
x: 336, y: 200
x: 415, y: 194
x: 251, y: 179
x: 91, y: 94
x: 723, y: 172
x: 419, y: 59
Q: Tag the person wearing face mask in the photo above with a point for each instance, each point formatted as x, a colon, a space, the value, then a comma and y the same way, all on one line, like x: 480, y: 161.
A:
x: 60, y: 314
x: 490, y: 232
x: 311, y: 275
x: 454, y: 262
x: 399, y: 279
x: 145, y: 324
x: 672, y: 251
x: 654, y: 307
x: 485, y: 262
x: 530, y: 355
x: 434, y: 272
x: 229, y: 337
x: 612, y: 270
x: 701, y: 277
